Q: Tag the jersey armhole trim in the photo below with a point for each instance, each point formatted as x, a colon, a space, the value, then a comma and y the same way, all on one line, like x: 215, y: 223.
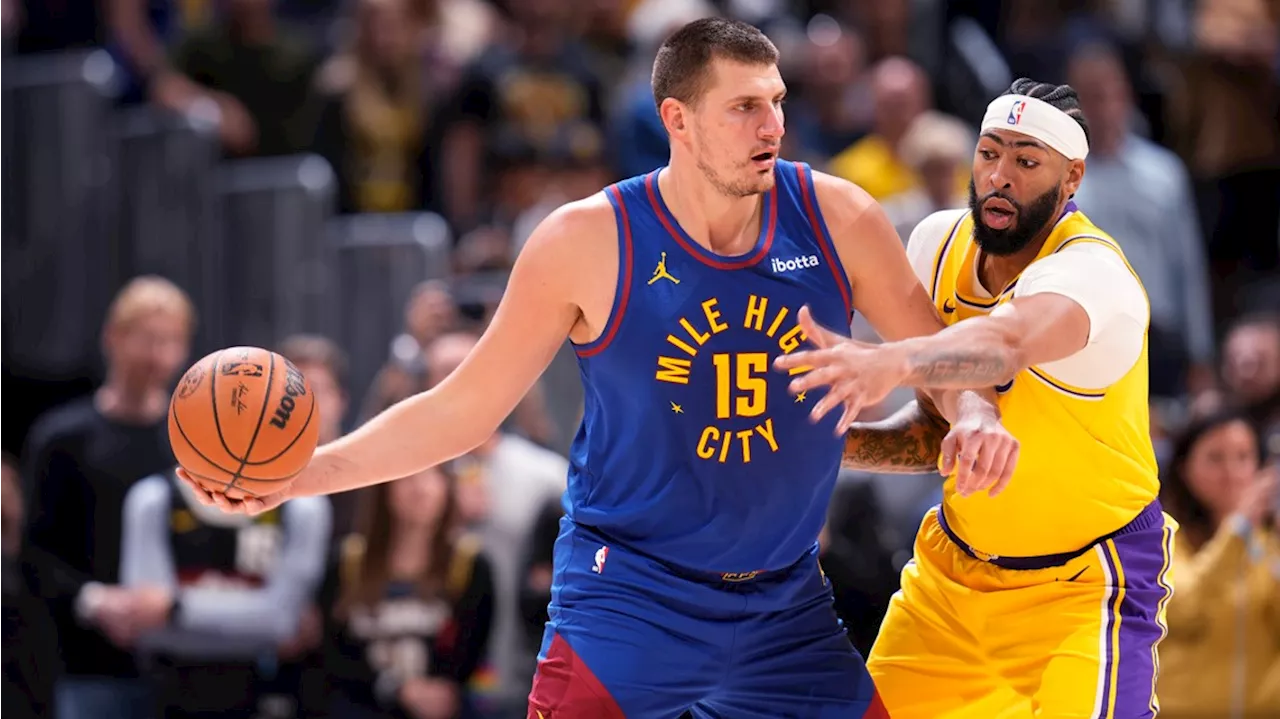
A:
x: 813, y: 209
x: 943, y: 248
x: 622, y: 292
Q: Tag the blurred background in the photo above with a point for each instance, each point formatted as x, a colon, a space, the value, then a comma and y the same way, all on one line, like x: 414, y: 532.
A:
x: 348, y: 181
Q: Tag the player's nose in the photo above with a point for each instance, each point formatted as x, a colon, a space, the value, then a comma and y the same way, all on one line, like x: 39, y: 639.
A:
x: 999, y: 178
x: 773, y: 128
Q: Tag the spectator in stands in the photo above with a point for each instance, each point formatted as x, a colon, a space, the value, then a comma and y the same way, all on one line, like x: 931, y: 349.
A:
x: 31, y: 661
x: 376, y: 109
x: 1141, y: 193
x: 534, y: 79
x: 857, y: 557
x: 535, y: 590
x: 228, y: 591
x: 1223, y: 619
x: 414, y: 605
x: 638, y: 140
x: 503, y: 485
x: 1224, y: 121
x: 829, y: 100
x: 901, y: 94
x: 935, y: 147
x: 530, y: 184
x: 430, y: 312
x: 80, y: 461
x: 1251, y: 373
x: 245, y: 54
x: 324, y: 364
x: 300, y: 676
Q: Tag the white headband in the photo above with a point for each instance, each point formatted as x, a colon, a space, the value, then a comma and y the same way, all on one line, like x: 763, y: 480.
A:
x: 1037, y: 119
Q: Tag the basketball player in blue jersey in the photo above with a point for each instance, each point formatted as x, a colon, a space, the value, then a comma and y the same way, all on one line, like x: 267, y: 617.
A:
x: 686, y: 574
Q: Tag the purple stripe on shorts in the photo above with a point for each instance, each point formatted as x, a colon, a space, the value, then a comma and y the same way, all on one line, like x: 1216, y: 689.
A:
x: 1143, y: 565
x: 1108, y: 629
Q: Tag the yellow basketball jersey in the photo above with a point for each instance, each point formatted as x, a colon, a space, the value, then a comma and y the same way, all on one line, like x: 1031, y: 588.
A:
x: 1086, y: 466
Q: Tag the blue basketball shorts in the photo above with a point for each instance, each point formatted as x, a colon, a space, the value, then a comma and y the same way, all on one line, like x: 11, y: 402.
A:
x: 631, y: 637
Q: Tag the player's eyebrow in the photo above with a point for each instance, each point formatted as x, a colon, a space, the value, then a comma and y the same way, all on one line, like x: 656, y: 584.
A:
x: 1015, y: 143
x: 758, y: 98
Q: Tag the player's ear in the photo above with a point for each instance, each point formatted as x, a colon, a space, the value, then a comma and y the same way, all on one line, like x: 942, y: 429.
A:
x: 674, y: 116
x: 1075, y: 175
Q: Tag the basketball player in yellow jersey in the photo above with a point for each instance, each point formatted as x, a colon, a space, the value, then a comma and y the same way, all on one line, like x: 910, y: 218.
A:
x: 1047, y: 600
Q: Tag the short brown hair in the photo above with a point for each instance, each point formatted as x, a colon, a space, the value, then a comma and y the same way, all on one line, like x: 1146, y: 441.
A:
x: 147, y: 295
x: 680, y: 69
x: 303, y: 349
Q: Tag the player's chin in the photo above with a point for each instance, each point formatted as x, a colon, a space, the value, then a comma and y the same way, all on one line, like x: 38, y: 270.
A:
x: 764, y: 181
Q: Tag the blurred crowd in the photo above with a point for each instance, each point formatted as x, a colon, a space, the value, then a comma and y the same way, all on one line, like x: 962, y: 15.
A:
x: 425, y: 598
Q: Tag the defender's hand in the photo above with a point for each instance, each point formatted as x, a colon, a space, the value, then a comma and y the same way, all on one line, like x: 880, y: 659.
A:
x: 981, y: 452
x: 857, y: 374
x: 249, y: 505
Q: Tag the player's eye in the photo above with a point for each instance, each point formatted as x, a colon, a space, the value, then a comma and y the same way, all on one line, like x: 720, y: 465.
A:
x: 986, y: 154
x: 1027, y: 163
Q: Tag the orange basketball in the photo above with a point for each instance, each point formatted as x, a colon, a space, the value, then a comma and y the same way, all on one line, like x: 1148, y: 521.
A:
x: 242, y: 420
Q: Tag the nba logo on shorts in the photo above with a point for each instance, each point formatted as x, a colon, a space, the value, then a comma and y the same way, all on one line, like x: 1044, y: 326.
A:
x: 601, y: 554
x: 1015, y: 112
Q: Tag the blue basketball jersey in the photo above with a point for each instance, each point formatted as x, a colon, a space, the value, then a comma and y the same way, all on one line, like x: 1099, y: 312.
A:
x: 691, y: 449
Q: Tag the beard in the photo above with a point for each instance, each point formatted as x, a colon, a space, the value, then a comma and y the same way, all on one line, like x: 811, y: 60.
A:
x: 746, y: 184
x: 1029, y: 221
x: 743, y: 180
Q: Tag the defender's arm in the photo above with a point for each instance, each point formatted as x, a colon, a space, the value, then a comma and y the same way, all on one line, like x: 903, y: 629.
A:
x: 1080, y: 314
x: 886, y: 289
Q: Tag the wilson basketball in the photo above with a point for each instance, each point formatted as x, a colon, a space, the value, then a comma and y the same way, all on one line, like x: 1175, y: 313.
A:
x: 242, y: 420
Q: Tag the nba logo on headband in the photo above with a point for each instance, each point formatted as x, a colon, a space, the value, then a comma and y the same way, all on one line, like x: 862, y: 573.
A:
x: 1015, y: 112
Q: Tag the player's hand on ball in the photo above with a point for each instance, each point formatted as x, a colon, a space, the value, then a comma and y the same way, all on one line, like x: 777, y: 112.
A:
x: 856, y: 374
x: 248, y: 505
x: 981, y: 452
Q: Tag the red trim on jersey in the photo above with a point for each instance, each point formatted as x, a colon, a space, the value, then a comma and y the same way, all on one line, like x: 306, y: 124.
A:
x: 624, y: 286
x: 825, y: 244
x: 565, y: 688
x: 697, y: 251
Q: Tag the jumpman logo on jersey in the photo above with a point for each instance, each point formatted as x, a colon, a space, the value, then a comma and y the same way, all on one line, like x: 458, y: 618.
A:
x: 660, y: 272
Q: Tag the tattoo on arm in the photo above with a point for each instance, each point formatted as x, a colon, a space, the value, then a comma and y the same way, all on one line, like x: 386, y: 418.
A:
x: 909, y: 442
x: 954, y: 367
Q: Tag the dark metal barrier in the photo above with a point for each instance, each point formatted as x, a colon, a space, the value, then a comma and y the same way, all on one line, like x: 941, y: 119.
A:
x: 280, y: 271
x: 169, y: 222
x: 57, y: 160
x: 381, y: 259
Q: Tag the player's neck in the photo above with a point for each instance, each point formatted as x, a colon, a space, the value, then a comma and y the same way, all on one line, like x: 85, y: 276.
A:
x: 118, y: 401
x: 722, y: 224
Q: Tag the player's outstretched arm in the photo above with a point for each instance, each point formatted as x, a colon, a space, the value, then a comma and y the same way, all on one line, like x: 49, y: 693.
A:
x: 1076, y: 300
x: 888, y: 293
x: 539, y: 309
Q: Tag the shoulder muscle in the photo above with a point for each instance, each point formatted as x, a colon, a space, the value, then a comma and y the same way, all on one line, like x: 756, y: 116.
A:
x: 926, y: 239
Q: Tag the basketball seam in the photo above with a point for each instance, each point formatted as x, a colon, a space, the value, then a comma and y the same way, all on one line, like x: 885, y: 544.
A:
x: 215, y: 480
x: 292, y: 442
x: 266, y: 400
x: 178, y: 423
x: 213, y: 398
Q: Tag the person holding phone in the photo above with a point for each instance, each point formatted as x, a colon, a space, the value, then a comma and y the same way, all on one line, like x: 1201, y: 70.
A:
x: 1222, y: 653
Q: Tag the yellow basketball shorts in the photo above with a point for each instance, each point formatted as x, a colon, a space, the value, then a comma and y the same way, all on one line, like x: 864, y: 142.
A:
x: 967, y: 638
